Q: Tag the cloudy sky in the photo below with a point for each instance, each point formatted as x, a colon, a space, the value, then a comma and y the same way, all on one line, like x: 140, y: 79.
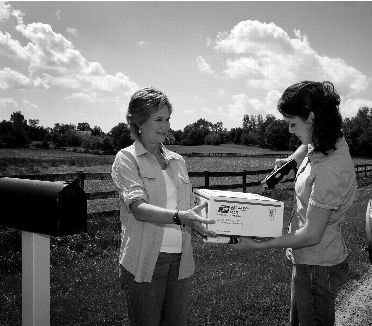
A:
x: 71, y: 62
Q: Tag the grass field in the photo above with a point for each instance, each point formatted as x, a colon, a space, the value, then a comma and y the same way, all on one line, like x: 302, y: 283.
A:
x: 228, y: 288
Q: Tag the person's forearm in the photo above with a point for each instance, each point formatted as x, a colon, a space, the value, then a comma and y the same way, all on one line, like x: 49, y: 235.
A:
x: 299, y: 154
x: 294, y: 240
x: 150, y: 213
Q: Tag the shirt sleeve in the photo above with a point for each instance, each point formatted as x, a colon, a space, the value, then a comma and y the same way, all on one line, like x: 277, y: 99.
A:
x: 329, y: 188
x: 126, y: 178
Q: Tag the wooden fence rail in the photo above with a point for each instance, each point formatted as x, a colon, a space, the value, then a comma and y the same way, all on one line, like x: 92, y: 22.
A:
x: 84, y: 176
x: 196, y: 154
x: 360, y: 169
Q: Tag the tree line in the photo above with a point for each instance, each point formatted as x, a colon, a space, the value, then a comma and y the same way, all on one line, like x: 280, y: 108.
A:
x: 256, y: 130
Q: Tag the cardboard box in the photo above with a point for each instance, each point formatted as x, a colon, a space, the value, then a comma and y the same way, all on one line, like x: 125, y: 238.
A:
x: 240, y: 214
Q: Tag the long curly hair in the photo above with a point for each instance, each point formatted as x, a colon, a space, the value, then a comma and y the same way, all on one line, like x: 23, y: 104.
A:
x: 320, y: 98
x: 142, y: 104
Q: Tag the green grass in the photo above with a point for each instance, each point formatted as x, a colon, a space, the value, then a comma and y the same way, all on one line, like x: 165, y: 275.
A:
x: 228, y: 288
x: 223, y: 148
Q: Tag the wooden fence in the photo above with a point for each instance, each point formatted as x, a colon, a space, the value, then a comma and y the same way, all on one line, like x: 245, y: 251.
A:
x: 197, y: 154
x: 360, y: 169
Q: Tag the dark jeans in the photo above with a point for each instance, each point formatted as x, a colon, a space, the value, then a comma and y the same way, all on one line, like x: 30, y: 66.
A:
x: 313, y: 293
x: 164, y: 301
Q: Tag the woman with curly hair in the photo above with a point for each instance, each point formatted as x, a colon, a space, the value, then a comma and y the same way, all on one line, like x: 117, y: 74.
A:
x: 325, y: 187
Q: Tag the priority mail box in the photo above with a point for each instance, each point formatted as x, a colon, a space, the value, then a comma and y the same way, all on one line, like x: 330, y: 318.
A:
x: 240, y: 214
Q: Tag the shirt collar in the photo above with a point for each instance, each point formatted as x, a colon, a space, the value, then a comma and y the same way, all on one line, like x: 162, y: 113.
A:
x: 315, y: 157
x: 140, y: 150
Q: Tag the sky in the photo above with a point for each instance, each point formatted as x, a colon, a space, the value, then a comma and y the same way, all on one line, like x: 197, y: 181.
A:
x: 80, y: 61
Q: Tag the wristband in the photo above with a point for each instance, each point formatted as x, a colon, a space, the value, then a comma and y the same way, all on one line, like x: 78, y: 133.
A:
x: 176, y: 219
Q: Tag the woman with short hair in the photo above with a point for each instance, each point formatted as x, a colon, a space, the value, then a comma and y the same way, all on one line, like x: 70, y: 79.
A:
x: 156, y: 260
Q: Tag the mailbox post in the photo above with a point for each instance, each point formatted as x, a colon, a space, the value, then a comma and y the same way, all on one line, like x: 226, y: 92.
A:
x: 40, y: 209
x: 369, y: 229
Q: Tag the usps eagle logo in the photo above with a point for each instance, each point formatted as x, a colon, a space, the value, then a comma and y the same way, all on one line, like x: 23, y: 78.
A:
x: 224, y: 209
x: 272, y: 213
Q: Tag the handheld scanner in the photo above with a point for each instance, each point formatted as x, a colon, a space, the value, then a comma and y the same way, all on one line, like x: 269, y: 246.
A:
x: 276, y: 175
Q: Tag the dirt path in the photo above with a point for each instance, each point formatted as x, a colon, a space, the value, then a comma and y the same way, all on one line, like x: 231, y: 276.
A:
x: 354, y: 307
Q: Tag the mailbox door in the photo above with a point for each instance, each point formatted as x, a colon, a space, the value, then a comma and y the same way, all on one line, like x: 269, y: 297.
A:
x: 51, y: 208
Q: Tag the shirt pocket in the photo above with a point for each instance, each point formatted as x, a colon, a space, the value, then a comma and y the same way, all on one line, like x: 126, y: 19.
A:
x: 184, y: 179
x: 151, y: 184
x: 184, y: 192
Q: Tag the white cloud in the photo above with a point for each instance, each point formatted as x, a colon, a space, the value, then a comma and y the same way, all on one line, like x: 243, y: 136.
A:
x: 242, y: 67
x: 5, y: 11
x: 13, y: 79
x: 350, y: 107
x: 58, y: 14
x: 53, y: 61
x: 207, y: 111
x: 189, y: 111
x: 7, y: 101
x: 220, y: 93
x: 72, y: 31
x: 203, y: 65
x: 239, y: 106
x: 12, y: 48
x: 243, y: 104
x: 208, y: 41
x: 28, y: 105
x: 81, y: 96
x: 265, y: 56
x: 7, y: 107
x: 141, y: 43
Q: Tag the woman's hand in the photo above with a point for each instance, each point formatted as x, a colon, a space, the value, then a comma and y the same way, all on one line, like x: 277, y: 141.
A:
x: 193, y: 219
x: 246, y: 244
x: 279, y: 162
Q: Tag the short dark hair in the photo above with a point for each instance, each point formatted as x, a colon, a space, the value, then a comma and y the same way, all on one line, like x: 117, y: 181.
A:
x: 320, y: 98
x: 142, y: 104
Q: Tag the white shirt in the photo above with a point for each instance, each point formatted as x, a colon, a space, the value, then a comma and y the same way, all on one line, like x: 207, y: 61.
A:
x: 172, y: 238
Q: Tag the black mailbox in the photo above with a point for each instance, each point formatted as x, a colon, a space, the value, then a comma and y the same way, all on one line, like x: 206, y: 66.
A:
x: 50, y: 208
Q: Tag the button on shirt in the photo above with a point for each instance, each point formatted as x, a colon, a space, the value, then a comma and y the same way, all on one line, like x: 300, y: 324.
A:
x: 329, y: 182
x: 137, y: 176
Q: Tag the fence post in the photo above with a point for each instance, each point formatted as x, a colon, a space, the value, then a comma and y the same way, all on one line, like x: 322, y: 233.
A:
x: 81, y: 177
x: 206, y: 179
x: 244, y: 181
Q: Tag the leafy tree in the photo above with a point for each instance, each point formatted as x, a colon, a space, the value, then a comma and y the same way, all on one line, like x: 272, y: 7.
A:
x: 277, y: 135
x: 83, y: 126
x: 58, y: 131
x: 19, y: 126
x: 213, y: 139
x: 294, y: 142
x: 235, y: 134
x: 178, y: 134
x: 249, y: 122
x: 97, y: 131
x: 6, y: 127
x: 354, y: 129
x: 36, y: 132
x: 120, y: 136
x: 71, y: 138
x: 194, y: 133
x: 107, y: 145
x: 217, y: 127
x: 249, y: 137
x: 365, y: 143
